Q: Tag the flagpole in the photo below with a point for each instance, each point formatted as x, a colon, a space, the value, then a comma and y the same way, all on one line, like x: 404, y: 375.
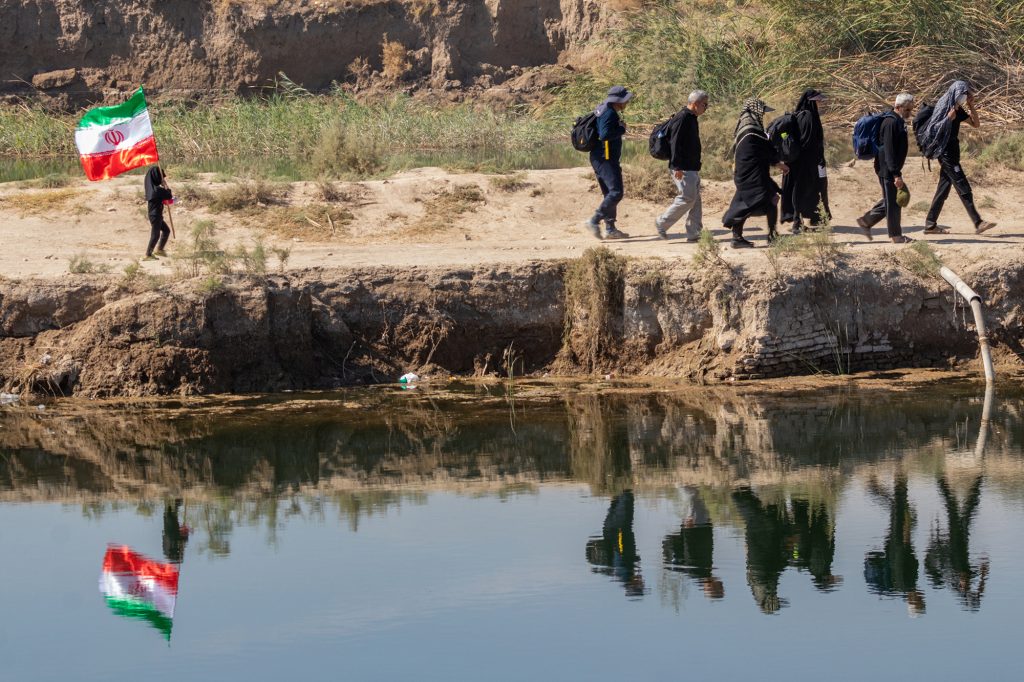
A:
x: 170, y: 213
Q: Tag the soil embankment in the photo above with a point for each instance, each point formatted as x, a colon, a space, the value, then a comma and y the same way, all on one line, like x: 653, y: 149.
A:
x: 84, y: 50
x: 328, y: 328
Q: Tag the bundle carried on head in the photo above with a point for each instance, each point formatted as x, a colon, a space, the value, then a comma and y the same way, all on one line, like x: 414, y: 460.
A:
x: 934, y: 135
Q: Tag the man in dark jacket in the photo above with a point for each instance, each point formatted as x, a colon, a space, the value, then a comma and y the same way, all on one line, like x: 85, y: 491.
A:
x: 951, y: 173
x: 684, y: 168
x: 892, y: 154
x: 756, y: 192
x: 605, y: 159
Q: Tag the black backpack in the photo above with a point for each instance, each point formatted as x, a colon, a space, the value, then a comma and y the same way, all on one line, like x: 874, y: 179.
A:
x: 660, y: 142
x: 584, y: 133
x: 921, y: 119
x: 784, y: 133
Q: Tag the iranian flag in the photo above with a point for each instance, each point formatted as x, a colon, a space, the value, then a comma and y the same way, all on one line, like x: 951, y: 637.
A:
x: 140, y: 588
x: 112, y: 140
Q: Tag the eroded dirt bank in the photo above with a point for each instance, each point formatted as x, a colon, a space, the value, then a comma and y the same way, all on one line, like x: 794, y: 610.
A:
x: 82, y: 50
x: 598, y: 314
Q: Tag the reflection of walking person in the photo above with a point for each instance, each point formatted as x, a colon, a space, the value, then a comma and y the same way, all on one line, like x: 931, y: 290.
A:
x: 605, y: 159
x: 157, y: 194
x: 948, y: 559
x: 614, y: 553
x: 691, y: 550
x: 893, y: 571
x: 175, y: 534
x: 767, y: 530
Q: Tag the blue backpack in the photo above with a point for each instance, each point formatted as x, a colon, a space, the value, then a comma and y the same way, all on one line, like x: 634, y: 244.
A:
x: 865, y: 135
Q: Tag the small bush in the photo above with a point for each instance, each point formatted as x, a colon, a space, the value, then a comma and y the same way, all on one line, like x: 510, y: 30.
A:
x: 342, y: 152
x: 447, y: 204
x: 509, y: 183
x: 202, y: 252
x: 254, y: 261
x: 246, y: 195
x: 394, y: 59
x: 79, y: 264
x: 283, y: 253
x: 193, y: 193
x: 327, y: 191
x: 211, y: 284
x: 920, y: 258
x: 708, y: 252
x: 648, y: 181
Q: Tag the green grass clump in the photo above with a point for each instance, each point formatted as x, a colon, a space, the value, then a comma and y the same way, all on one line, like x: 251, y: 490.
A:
x: 920, y: 258
x: 79, y: 264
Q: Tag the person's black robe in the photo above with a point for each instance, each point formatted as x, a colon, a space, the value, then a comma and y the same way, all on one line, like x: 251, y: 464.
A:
x: 801, y: 187
x: 755, y: 155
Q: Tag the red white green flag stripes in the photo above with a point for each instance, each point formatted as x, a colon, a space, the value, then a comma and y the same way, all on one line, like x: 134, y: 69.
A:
x: 140, y: 588
x: 112, y: 140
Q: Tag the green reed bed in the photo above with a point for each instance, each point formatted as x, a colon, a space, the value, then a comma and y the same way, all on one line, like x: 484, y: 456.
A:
x: 340, y: 135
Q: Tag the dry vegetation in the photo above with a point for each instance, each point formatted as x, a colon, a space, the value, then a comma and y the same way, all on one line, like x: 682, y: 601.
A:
x: 441, y: 210
x: 44, y: 202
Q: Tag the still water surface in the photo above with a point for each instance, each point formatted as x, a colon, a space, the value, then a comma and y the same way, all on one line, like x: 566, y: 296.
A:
x: 559, y: 535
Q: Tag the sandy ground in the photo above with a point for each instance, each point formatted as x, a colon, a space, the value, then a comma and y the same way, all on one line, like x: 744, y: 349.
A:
x: 42, y: 229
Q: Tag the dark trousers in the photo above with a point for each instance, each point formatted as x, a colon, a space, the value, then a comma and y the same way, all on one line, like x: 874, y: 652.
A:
x: 735, y: 218
x: 951, y: 174
x: 609, y: 178
x: 158, y: 233
x: 886, y: 208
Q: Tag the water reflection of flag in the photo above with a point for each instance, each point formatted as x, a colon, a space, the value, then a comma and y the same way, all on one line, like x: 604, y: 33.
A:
x: 137, y: 587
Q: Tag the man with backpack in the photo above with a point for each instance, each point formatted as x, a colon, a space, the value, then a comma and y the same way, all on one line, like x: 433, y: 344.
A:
x: 684, y: 168
x: 605, y: 159
x: 943, y: 125
x: 889, y: 159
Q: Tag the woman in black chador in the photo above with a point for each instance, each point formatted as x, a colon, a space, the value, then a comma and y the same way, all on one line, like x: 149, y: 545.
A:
x: 805, y: 187
x: 756, y: 192
x: 156, y: 195
x: 893, y: 570
x: 947, y: 561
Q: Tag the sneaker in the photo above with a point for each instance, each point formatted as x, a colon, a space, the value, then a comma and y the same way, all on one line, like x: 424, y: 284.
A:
x: 593, y: 227
x: 616, y: 234
x: 983, y: 226
x: 692, y: 240
x: 662, y: 232
x: 934, y: 229
x: 149, y: 256
x: 160, y: 252
x: 742, y: 243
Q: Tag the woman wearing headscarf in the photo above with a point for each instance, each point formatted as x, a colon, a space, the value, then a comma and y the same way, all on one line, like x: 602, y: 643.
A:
x: 806, y: 184
x: 156, y: 195
x: 756, y: 192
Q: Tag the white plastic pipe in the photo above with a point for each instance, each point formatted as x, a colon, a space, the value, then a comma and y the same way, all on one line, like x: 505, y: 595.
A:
x: 979, y: 320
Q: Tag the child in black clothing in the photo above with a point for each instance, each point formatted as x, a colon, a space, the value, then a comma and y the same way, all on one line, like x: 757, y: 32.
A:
x: 156, y: 195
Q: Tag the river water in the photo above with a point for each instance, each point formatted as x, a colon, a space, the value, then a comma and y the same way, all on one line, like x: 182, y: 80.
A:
x: 546, y: 532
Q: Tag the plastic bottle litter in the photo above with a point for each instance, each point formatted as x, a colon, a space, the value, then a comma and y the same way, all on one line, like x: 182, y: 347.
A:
x: 8, y: 398
x: 409, y: 378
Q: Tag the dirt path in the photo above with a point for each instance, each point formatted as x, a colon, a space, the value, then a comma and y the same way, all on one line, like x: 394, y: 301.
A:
x: 428, y: 217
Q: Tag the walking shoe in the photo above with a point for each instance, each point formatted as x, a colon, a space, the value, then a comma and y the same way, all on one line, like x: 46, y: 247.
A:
x: 983, y: 226
x: 692, y: 240
x: 934, y: 229
x: 773, y: 237
x: 742, y: 243
x: 149, y: 256
x: 662, y: 232
x: 616, y: 234
x: 593, y: 226
x: 862, y: 224
x: 160, y: 252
